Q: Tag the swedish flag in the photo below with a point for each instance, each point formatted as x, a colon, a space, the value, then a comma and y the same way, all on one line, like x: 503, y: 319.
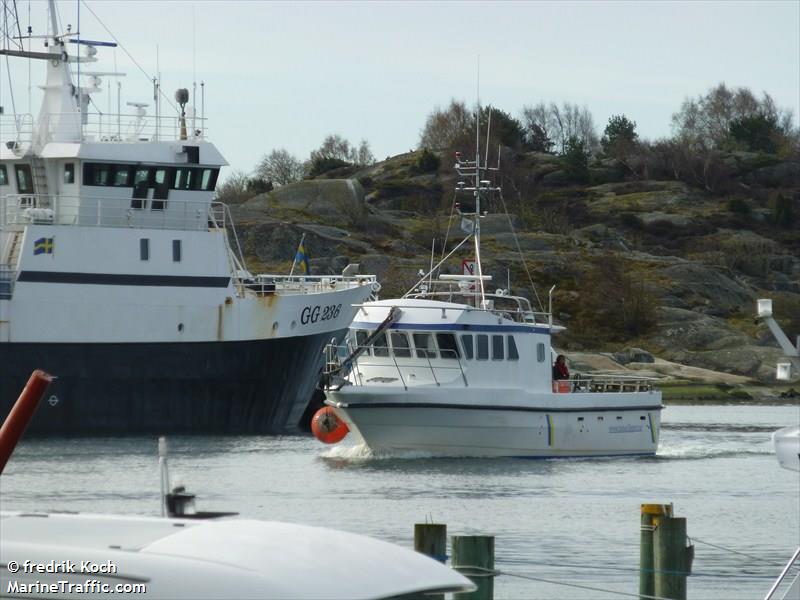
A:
x: 301, y: 257
x: 44, y: 246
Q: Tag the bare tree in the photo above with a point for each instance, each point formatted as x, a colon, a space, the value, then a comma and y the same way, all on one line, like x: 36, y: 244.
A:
x: 280, y: 167
x: 560, y: 123
x: 704, y: 122
x: 335, y: 147
x: 452, y: 127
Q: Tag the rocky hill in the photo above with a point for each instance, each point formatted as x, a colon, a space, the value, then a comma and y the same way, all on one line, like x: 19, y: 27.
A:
x: 660, y: 264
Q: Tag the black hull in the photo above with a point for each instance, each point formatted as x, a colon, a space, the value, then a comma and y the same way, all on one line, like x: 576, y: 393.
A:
x: 216, y: 387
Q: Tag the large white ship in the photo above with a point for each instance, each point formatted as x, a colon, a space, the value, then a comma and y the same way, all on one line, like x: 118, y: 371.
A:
x: 121, y: 275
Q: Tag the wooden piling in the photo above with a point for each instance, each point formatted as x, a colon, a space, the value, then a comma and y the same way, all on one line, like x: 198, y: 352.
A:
x: 430, y: 539
x: 473, y: 556
x: 670, y: 557
x: 646, y: 561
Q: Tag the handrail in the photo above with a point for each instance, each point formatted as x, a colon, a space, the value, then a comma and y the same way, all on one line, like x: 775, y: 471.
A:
x: 108, y: 211
x: 782, y: 576
x: 465, y: 308
x: 7, y: 278
x: 112, y: 127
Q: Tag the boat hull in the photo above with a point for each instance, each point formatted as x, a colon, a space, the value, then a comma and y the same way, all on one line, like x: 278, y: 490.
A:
x: 254, y: 386
x: 462, y: 429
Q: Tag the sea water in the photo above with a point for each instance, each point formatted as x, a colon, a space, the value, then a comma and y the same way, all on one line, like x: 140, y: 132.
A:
x: 558, y: 523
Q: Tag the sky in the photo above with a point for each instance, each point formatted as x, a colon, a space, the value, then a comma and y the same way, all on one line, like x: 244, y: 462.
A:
x: 287, y: 74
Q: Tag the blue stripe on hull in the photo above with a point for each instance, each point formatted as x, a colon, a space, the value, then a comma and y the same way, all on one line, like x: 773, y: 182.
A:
x: 213, y: 387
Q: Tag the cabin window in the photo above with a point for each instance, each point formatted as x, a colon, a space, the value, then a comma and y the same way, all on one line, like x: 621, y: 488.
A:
x: 483, y: 346
x: 24, y: 179
x: 380, y: 346
x: 122, y: 176
x: 423, y: 342
x: 361, y: 337
x: 209, y: 180
x: 161, y: 188
x: 512, y: 349
x: 141, y: 179
x: 144, y: 249
x: 540, y: 352
x: 176, y: 251
x: 447, y: 345
x: 69, y: 172
x: 498, y: 347
x: 96, y: 174
x: 3, y: 175
x: 183, y: 178
x: 466, y: 344
x: 400, y: 345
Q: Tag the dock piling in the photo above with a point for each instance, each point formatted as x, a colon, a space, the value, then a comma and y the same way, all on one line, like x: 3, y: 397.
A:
x: 473, y: 556
x: 646, y: 560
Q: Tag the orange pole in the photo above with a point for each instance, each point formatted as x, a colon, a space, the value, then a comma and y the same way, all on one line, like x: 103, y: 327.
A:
x: 21, y: 414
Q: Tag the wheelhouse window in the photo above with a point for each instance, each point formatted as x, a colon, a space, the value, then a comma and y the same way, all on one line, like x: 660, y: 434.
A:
x: 24, y: 179
x: 123, y: 176
x: 176, y: 250
x: 498, y: 347
x: 184, y: 177
x: 512, y: 349
x: 160, y: 188
x: 380, y: 345
x: 3, y: 175
x: 144, y: 249
x: 361, y: 338
x: 69, y: 173
x: 483, y: 346
x: 141, y: 179
x: 97, y: 174
x: 423, y: 342
x: 447, y: 345
x: 400, y: 345
x: 466, y: 344
x: 208, y: 181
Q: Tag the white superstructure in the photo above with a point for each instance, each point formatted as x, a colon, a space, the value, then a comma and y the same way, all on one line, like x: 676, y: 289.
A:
x: 120, y: 274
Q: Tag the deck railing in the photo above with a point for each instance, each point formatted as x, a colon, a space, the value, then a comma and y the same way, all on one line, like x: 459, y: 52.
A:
x: 43, y: 209
x: 518, y: 316
x: 130, y: 128
x: 604, y: 383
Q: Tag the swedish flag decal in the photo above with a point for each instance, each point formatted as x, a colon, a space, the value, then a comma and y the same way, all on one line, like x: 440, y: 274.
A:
x: 44, y: 246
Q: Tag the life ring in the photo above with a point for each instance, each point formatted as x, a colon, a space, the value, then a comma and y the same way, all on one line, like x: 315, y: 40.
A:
x: 327, y: 427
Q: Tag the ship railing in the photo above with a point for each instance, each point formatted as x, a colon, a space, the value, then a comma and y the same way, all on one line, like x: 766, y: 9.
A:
x: 264, y: 285
x: 384, y: 359
x: 95, y: 211
x: 7, y: 278
x: 518, y: 315
x: 22, y: 127
x: 130, y: 128
x: 604, y: 384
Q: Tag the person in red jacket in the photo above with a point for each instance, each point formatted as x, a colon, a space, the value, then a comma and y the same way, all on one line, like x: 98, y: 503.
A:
x: 560, y: 370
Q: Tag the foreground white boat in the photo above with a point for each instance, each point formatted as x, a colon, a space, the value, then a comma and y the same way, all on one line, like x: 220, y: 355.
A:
x: 452, y: 370
x: 97, y: 555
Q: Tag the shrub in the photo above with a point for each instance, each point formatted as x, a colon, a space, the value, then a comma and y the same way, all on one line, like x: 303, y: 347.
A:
x: 427, y: 162
x: 739, y: 206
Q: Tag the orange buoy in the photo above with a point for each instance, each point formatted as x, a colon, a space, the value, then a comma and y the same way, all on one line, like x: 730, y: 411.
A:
x: 327, y: 427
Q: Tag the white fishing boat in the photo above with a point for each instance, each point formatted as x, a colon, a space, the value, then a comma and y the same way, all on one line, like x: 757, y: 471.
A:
x: 122, y: 275
x: 450, y: 369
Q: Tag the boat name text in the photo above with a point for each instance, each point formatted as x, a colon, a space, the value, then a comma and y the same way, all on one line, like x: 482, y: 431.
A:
x: 312, y: 314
